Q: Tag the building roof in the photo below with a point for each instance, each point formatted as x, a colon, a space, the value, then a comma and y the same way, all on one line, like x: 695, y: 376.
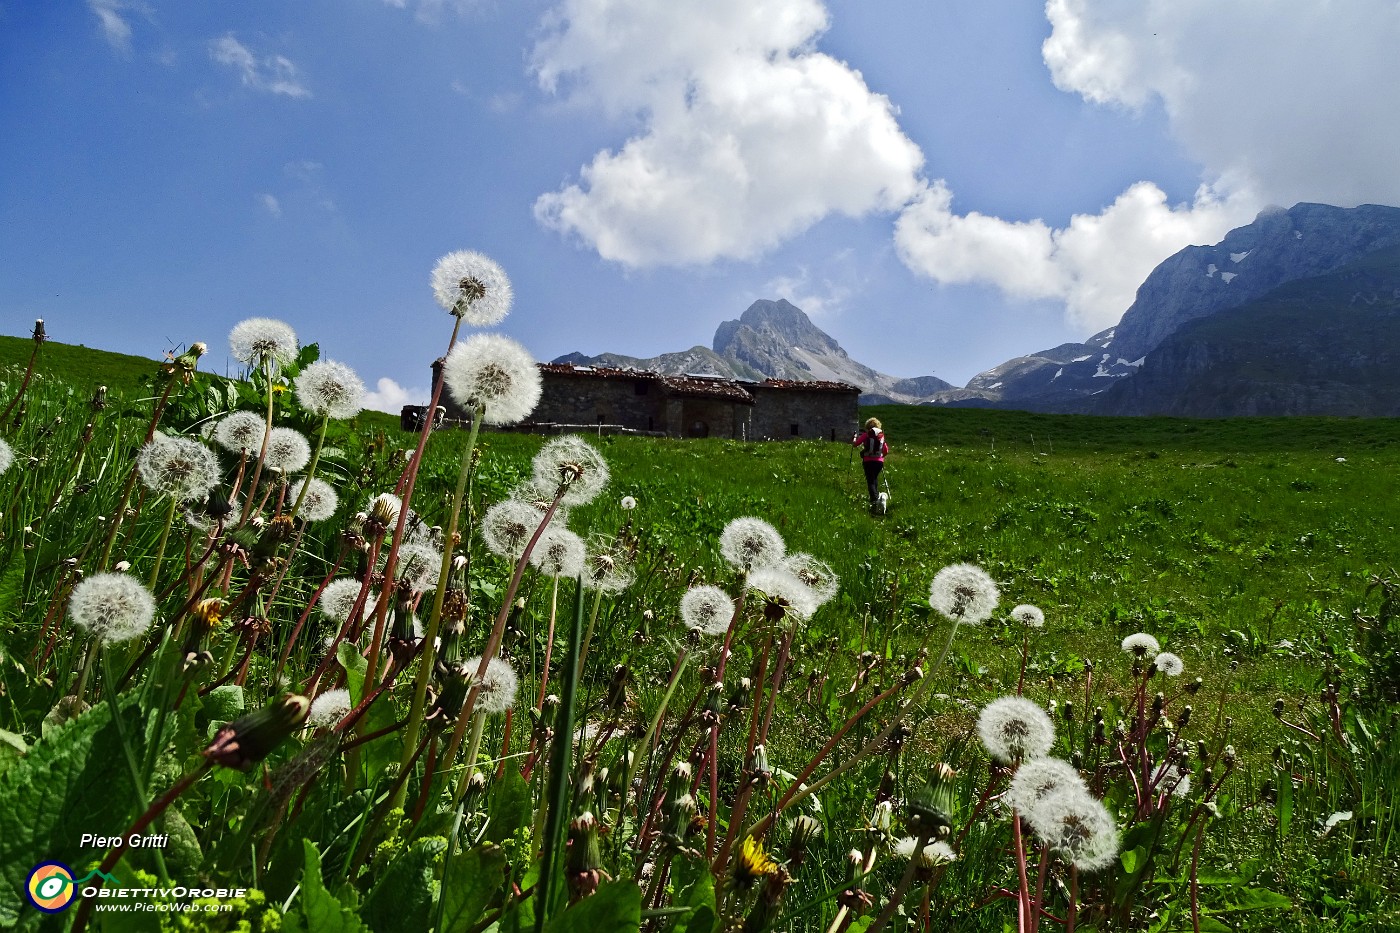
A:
x: 697, y: 384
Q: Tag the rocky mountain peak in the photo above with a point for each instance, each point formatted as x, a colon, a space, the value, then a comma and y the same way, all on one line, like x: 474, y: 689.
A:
x: 767, y: 323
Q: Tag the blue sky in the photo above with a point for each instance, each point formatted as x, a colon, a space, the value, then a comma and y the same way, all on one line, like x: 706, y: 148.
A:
x: 940, y: 185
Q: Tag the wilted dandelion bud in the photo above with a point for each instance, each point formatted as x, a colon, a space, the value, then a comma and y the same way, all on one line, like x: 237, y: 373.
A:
x: 1067, y: 710
x: 1278, y: 708
x: 1159, y: 703
x: 99, y: 399
x: 583, y: 861
x: 762, y: 770
x: 750, y: 543
x: 1228, y: 756
x: 330, y: 389
x: 1184, y: 718
x: 925, y: 857
x: 882, y: 818
x: 39, y: 335
x: 259, y: 341
x: 805, y: 830
x: 617, y: 688
x: 929, y: 811
x: 473, y: 287
x: 111, y: 607
x: 1202, y: 750
x: 964, y: 593
x: 247, y: 741
x: 496, y: 374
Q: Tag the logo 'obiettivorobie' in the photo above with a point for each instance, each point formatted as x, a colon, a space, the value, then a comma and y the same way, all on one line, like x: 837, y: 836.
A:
x: 51, y: 886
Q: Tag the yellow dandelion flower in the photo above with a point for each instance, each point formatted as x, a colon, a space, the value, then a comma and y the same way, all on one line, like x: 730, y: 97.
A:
x: 753, y: 863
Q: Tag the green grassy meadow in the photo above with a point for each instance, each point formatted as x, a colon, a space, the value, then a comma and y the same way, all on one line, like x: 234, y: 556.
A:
x: 1263, y: 552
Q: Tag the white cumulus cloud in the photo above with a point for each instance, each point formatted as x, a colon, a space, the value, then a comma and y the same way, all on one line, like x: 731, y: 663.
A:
x: 275, y: 74
x: 1093, y: 265
x: 747, y: 134
x: 1290, y: 99
x: 389, y: 396
x: 270, y: 204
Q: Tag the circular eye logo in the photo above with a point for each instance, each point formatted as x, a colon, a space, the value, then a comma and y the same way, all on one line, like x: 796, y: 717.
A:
x: 50, y: 887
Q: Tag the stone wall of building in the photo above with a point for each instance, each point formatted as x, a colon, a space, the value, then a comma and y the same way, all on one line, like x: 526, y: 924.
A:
x: 636, y: 403
x: 789, y: 411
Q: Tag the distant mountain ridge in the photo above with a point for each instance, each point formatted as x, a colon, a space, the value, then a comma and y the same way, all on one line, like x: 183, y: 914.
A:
x: 1197, y: 283
x: 775, y: 340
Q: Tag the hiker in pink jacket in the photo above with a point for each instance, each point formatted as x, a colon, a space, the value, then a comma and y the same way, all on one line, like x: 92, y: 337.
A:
x: 873, y: 448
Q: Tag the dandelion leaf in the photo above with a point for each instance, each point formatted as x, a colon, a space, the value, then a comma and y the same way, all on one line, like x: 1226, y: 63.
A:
x: 404, y: 897
x: 68, y: 784
x: 616, y: 907
x: 510, y: 805
x: 472, y: 878
x: 318, y: 910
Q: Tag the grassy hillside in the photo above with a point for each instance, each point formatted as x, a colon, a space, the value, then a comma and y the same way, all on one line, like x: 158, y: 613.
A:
x: 1262, y: 552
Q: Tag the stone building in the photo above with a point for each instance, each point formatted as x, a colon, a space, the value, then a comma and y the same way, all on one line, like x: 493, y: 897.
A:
x: 607, y: 400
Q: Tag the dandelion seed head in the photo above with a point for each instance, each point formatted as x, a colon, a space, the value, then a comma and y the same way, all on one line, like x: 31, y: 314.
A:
x: 419, y: 565
x: 559, y: 553
x: 338, y: 599
x: 259, y: 339
x: 1071, y: 822
x: 749, y: 543
x: 786, y: 594
x: 1171, y: 778
x: 1029, y: 616
x: 932, y: 854
x: 628, y: 503
x: 571, y: 462
x: 508, y: 526
x: 707, y: 609
x: 321, y: 500
x: 331, y: 390
x: 472, y: 287
x: 964, y: 593
x: 606, y: 568
x: 328, y: 709
x: 1169, y: 664
x: 1141, y: 644
x: 498, y: 687
x: 496, y: 373
x: 112, y: 607
x: 816, y: 574
x: 1039, y: 777
x: 1014, y: 729
x: 287, y: 450
x: 7, y: 456
x: 240, y: 431
x: 178, y: 467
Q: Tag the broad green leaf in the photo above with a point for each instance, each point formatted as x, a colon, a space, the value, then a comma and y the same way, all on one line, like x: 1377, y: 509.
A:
x: 355, y: 668
x: 1133, y: 859
x: 318, y: 910
x: 615, y: 907
x: 12, y: 747
x: 470, y: 880
x: 224, y: 704
x: 404, y: 897
x: 1284, y: 806
x: 1253, y: 899
x: 510, y: 805
x: 701, y: 901
x: 68, y: 784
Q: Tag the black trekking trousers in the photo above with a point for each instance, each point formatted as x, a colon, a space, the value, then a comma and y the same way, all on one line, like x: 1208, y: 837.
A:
x: 872, y: 477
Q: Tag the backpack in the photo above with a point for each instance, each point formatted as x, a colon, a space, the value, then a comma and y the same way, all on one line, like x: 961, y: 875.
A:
x: 874, y: 444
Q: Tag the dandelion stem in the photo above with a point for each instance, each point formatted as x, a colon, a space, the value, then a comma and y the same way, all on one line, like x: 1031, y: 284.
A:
x: 268, y: 365
x: 559, y: 767
x: 425, y: 663
x: 897, y: 896
x: 164, y: 537
x: 473, y: 747
x: 311, y: 467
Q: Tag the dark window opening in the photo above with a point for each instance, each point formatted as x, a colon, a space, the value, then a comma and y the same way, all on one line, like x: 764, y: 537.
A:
x: 640, y: 388
x: 600, y: 418
x: 795, y: 432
